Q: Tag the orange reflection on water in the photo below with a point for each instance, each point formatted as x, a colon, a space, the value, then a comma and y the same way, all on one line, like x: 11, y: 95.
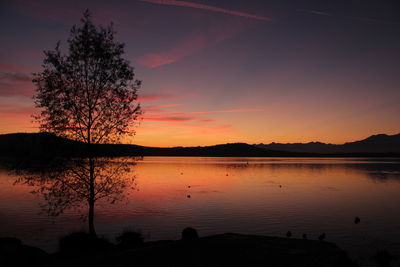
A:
x: 266, y: 196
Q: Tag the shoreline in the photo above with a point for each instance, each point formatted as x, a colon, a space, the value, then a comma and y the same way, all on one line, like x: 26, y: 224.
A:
x: 227, y: 249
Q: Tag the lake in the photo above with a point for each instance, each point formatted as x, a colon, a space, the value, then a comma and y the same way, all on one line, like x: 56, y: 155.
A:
x: 265, y: 196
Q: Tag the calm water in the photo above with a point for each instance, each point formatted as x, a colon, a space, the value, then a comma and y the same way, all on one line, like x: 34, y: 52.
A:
x: 267, y: 196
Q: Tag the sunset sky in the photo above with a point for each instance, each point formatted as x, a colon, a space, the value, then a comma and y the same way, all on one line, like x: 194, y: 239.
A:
x: 218, y: 71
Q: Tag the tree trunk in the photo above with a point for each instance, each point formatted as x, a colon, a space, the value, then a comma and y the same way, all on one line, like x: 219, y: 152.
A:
x: 91, y: 199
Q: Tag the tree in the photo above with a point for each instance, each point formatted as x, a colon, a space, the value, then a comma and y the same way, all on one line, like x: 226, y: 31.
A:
x: 65, y: 183
x: 88, y: 94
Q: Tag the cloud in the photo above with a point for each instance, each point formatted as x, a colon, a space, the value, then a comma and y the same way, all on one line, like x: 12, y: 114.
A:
x: 168, y: 118
x: 207, y: 7
x: 13, y: 82
x: 316, y: 12
x: 159, y: 114
x: 16, y: 88
x: 191, y: 44
x: 225, y: 111
x: 186, y: 129
x: 14, y: 106
x: 366, y: 19
x: 158, y: 97
x: 183, y: 48
x: 15, y: 76
x: 156, y: 107
x: 13, y: 68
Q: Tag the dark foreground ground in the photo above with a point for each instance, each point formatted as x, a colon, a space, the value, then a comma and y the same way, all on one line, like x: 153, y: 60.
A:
x: 217, y: 250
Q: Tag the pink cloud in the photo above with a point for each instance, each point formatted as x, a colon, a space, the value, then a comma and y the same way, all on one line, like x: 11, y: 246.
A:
x: 15, y: 76
x: 316, y: 12
x: 158, y: 114
x: 161, y: 106
x: 16, y: 88
x: 13, y: 68
x: 207, y: 7
x: 191, y: 44
x: 16, y: 109
x: 225, y: 111
x: 15, y: 81
x: 183, y: 48
x: 158, y: 97
x: 167, y: 118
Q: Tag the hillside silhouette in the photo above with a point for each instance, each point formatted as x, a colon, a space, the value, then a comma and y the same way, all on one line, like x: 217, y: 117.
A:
x: 49, y: 145
x: 380, y: 143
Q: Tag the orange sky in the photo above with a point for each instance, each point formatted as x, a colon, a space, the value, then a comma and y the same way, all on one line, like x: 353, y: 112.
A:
x: 227, y: 72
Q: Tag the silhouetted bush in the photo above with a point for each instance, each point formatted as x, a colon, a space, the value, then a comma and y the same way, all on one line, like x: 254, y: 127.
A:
x: 189, y: 234
x: 14, y: 253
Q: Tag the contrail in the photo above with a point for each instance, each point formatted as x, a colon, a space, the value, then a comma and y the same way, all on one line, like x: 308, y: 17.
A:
x: 372, y: 20
x: 316, y: 12
x: 207, y: 7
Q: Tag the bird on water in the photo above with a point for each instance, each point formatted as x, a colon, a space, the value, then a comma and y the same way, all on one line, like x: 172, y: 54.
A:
x: 322, y: 237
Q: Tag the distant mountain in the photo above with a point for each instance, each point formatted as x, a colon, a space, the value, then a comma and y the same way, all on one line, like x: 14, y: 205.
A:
x: 380, y: 143
x: 42, y: 145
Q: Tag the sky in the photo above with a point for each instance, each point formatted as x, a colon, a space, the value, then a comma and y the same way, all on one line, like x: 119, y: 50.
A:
x: 219, y: 71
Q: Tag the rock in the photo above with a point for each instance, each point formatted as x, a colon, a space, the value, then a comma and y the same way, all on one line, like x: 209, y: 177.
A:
x: 288, y: 234
x: 322, y: 237
x: 189, y: 234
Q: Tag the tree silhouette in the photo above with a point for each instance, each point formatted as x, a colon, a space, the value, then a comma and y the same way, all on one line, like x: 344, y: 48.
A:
x: 65, y: 183
x: 89, y: 93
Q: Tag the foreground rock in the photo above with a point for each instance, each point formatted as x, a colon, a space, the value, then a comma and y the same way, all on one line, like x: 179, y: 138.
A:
x: 217, y: 250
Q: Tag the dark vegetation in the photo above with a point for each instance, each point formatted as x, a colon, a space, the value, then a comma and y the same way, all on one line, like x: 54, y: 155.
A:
x: 83, y: 249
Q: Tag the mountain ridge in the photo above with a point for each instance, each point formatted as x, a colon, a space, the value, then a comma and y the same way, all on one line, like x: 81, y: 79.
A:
x: 379, y: 143
x: 49, y: 145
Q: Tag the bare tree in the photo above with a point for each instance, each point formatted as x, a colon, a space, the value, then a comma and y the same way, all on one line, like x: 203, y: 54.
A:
x: 89, y: 93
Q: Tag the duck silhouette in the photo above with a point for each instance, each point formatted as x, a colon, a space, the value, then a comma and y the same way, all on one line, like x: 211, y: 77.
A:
x: 357, y: 220
x: 322, y: 237
x: 304, y: 236
x: 288, y: 234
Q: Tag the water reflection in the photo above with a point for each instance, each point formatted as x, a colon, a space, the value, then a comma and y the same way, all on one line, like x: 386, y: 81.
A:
x: 266, y: 196
x: 76, y: 183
